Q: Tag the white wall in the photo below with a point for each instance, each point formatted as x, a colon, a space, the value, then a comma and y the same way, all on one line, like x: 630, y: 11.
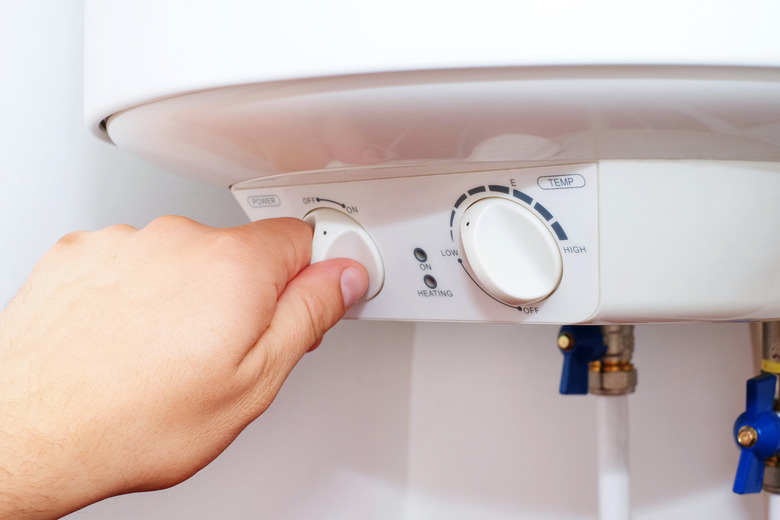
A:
x: 385, y: 420
x: 492, y: 439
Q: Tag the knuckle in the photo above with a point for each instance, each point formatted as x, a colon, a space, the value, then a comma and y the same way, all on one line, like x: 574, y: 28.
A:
x: 171, y: 222
x: 232, y: 248
x: 119, y: 229
x: 237, y: 259
x: 86, y: 237
x: 72, y: 238
x: 114, y: 234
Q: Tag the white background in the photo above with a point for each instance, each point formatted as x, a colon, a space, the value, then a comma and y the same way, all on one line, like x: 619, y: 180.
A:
x: 385, y: 420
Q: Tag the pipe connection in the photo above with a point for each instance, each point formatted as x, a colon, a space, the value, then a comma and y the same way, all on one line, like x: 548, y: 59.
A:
x: 597, y: 359
x: 757, y: 430
x: 614, y: 373
x: 770, y: 362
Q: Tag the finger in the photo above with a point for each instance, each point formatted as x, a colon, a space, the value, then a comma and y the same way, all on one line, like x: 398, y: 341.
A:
x: 77, y: 254
x: 91, y: 245
x: 311, y: 304
x: 279, y: 248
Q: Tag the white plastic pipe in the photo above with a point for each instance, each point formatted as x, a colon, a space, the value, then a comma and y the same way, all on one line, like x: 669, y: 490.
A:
x: 773, y: 512
x: 614, y: 484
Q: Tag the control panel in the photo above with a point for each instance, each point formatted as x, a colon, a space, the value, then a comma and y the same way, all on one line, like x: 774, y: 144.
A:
x: 516, y: 245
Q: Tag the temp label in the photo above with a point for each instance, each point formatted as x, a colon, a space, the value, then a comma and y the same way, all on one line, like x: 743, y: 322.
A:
x: 561, y: 182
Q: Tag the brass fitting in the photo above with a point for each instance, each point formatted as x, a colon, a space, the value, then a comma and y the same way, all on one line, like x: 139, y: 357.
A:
x: 614, y: 374
x: 565, y: 341
x: 770, y: 347
x: 747, y: 437
x: 772, y: 475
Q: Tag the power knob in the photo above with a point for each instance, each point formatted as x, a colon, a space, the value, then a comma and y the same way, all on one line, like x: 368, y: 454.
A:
x: 337, y: 235
x: 509, y: 251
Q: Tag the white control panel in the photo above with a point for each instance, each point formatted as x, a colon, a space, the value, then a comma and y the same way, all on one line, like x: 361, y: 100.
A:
x: 502, y: 246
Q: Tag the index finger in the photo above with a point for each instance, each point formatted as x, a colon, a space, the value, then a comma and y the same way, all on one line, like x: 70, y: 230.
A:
x: 281, y: 247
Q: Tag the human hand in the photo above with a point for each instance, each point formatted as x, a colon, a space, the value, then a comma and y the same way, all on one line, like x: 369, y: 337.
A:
x: 131, y: 358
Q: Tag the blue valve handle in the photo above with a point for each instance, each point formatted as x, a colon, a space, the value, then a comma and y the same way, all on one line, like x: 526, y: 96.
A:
x: 760, y: 416
x: 588, y: 345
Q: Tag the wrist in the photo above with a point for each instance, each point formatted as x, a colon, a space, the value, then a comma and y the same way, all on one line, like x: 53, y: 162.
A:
x: 41, y: 476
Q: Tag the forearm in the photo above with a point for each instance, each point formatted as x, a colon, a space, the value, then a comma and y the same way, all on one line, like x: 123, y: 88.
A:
x: 40, y: 478
x: 45, y: 465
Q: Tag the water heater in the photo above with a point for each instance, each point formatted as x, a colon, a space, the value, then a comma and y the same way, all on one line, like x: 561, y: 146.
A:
x: 523, y: 162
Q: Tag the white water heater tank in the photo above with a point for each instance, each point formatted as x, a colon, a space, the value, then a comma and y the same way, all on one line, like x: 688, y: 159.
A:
x: 541, y: 161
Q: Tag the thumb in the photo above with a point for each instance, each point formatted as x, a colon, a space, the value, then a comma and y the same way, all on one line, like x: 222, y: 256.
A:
x: 311, y: 303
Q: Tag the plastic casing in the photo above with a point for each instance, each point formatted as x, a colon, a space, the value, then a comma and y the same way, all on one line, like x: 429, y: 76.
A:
x: 664, y: 116
x: 144, y: 50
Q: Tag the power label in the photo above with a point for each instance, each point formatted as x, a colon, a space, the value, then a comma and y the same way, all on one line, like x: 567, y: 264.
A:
x: 263, y: 201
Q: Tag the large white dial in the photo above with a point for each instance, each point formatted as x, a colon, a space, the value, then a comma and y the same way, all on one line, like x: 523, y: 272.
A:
x: 509, y: 251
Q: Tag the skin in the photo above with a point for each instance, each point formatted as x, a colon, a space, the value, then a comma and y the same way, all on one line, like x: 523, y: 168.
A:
x: 131, y: 358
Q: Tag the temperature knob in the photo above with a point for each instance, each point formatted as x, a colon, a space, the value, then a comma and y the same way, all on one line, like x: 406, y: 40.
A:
x: 337, y: 235
x: 509, y: 251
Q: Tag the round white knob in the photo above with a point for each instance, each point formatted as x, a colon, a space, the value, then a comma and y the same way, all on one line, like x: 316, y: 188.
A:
x: 337, y: 235
x: 509, y: 251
